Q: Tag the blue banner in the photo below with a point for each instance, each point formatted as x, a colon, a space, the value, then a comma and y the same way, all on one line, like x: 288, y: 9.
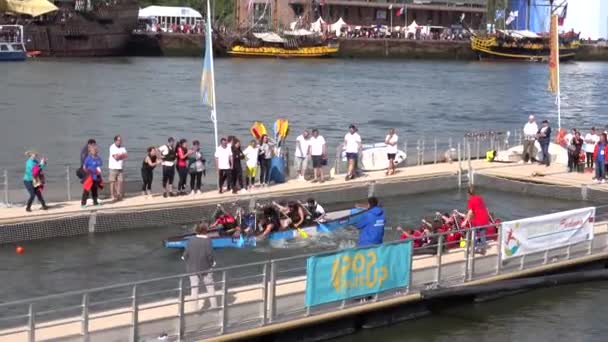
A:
x: 357, y: 272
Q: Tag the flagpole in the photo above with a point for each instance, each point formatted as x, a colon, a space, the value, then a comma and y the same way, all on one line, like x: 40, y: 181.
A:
x: 210, y: 45
x: 559, y: 100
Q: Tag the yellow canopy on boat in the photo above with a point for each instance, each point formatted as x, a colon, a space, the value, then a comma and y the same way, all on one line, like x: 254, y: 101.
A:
x: 29, y: 7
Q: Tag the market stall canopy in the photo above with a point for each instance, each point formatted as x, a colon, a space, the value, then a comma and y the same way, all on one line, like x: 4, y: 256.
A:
x: 335, y: 27
x: 29, y: 7
x: 269, y: 37
x: 316, y: 26
x: 412, y: 28
x: 168, y: 11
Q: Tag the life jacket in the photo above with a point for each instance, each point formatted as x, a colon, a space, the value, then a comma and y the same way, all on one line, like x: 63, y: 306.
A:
x: 560, y: 137
x: 490, y: 155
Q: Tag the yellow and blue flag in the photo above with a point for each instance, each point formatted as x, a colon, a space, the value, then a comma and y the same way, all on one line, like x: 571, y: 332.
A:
x: 207, y: 81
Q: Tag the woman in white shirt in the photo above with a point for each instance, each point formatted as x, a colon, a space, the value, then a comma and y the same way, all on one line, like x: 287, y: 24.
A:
x: 391, y: 150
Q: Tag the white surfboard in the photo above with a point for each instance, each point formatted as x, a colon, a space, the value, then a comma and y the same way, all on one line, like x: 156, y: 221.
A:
x: 374, y: 157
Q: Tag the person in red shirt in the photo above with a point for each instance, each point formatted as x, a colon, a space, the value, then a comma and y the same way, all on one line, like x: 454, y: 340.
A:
x: 477, y: 216
x: 411, y: 234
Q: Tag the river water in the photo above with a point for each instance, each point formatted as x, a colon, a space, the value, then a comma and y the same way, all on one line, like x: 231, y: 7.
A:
x: 55, y: 105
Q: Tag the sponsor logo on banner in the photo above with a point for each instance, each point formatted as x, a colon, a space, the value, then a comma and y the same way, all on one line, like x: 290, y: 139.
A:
x: 539, y: 233
x: 357, y: 272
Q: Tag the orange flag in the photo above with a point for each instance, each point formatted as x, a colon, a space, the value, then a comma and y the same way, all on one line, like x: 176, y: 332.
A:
x: 554, y: 58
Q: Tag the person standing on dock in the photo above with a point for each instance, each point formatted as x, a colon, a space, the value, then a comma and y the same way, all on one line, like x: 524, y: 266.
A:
x: 168, y: 156
x: 200, y: 259
x: 391, y: 141
x: 223, y: 163
x: 591, y: 139
x: 575, y: 144
x: 251, y: 161
x: 266, y: 152
x: 352, y: 147
x: 318, y: 153
x: 33, y: 179
x: 196, y: 168
x: 477, y: 216
x: 84, y: 153
x: 371, y: 224
x: 544, y: 139
x: 182, y: 165
x: 302, y: 153
x: 237, y: 167
x: 117, y: 156
x: 147, y: 170
x: 530, y: 131
x: 599, y: 157
x: 93, y: 181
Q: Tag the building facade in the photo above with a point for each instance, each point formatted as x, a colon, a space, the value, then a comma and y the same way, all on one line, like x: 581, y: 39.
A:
x: 277, y: 14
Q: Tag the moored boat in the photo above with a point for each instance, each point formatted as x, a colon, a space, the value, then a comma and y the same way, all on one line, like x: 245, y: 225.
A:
x: 11, y: 43
x: 523, y: 46
x: 270, y: 44
x: 333, y: 221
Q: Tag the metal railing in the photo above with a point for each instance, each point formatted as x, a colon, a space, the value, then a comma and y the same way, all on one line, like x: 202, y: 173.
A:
x: 255, y: 294
x: 63, y: 185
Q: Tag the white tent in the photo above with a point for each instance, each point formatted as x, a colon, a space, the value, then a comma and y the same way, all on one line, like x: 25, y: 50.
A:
x: 316, y: 26
x: 335, y: 27
x: 166, y: 15
x: 269, y: 37
x: 412, y: 27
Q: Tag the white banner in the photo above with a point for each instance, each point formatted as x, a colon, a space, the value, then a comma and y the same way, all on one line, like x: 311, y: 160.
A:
x: 539, y: 233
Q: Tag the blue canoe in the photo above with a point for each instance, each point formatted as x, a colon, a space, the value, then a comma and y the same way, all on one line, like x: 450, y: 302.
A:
x: 334, y: 221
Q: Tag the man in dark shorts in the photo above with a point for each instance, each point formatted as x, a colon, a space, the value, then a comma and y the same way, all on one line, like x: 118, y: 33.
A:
x: 318, y: 153
x: 391, y: 141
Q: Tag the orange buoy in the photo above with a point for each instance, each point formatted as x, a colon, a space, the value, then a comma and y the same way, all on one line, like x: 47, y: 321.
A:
x: 20, y: 250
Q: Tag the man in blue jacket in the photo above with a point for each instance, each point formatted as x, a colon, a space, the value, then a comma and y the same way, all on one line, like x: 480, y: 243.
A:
x: 371, y: 224
x: 544, y: 139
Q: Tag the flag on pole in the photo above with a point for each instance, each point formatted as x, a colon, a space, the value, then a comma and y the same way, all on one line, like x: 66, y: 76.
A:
x: 554, y: 57
x: 512, y: 16
x: 562, y: 17
x: 207, y: 82
x: 390, y: 7
x: 500, y: 14
x: 401, y: 11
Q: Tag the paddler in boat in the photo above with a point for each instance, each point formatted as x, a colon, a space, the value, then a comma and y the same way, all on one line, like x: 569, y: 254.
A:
x: 225, y: 224
x: 314, y: 209
x: 269, y: 223
x: 294, y: 214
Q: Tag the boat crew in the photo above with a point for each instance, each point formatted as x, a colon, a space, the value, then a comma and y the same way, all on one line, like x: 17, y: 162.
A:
x: 315, y: 210
x: 294, y: 215
x: 225, y: 224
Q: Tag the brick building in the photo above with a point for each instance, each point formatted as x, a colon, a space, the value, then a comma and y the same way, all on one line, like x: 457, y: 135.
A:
x: 280, y: 13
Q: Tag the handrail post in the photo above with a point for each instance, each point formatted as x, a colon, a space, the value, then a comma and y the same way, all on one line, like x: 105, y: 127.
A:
x: 467, y: 254
x: 5, y: 183
x: 435, y: 143
x: 406, y: 154
x: 478, y: 148
x: 224, y: 315
x: 134, y: 316
x: 422, y: 152
x: 418, y: 152
x: 31, y: 324
x: 499, y: 254
x: 68, y: 183
x: 264, y: 313
x: 181, y: 309
x: 473, y: 241
x: 459, y: 168
x: 411, y: 281
x: 450, y: 143
x: 439, y: 255
x: 271, y: 292
x: 85, y: 317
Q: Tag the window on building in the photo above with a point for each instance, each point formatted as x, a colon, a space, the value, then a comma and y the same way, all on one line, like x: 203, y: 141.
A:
x: 345, y: 12
x: 359, y: 13
x: 380, y: 14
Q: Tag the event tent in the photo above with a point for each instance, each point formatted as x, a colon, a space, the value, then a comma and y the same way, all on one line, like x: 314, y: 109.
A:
x: 317, y: 25
x: 335, y: 27
x: 166, y: 15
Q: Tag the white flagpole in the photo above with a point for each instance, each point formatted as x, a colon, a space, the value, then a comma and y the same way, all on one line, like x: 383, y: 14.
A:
x: 213, y: 110
x: 559, y: 101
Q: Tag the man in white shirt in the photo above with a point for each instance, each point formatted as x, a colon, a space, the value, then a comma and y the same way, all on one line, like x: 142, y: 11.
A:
x: 591, y: 139
x: 117, y: 155
x: 302, y: 153
x: 391, y: 150
x: 318, y: 153
x: 352, y: 147
x: 223, y: 163
x: 530, y: 131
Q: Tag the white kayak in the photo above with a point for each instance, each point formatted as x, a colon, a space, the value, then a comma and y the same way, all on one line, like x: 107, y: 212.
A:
x: 559, y: 154
x: 374, y: 157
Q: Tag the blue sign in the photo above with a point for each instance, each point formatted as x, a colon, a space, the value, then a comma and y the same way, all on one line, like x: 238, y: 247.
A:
x: 357, y: 272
